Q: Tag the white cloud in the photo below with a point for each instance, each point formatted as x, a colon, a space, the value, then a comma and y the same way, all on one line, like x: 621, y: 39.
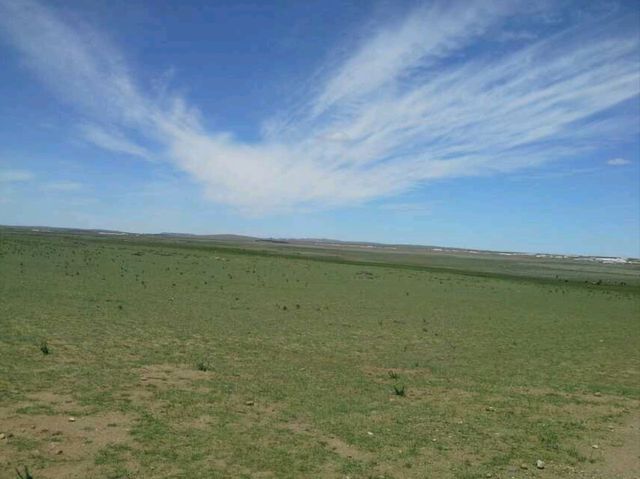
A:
x: 14, y: 176
x: 63, y: 185
x: 113, y: 141
x: 421, y: 39
x: 408, y: 106
x: 516, y: 36
x: 618, y: 162
x: 413, y: 208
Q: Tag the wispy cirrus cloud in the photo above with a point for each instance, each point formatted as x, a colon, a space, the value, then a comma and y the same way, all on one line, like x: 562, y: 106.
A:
x: 15, y: 176
x: 113, y: 141
x: 618, y: 162
x: 412, y: 208
x: 417, y: 100
x: 420, y: 40
x: 63, y: 186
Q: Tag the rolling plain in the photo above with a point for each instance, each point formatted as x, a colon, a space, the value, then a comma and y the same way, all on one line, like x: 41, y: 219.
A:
x: 142, y: 356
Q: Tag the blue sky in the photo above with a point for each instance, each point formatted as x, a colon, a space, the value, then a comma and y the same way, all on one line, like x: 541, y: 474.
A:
x: 491, y: 124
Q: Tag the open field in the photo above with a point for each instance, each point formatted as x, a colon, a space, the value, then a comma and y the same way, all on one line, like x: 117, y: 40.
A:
x: 197, y: 358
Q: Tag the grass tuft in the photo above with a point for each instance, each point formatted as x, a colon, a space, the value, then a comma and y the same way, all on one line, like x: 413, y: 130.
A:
x: 399, y: 390
x: 25, y: 474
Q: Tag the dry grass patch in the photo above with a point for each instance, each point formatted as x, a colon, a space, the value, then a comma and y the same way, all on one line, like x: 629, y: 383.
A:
x: 57, y: 446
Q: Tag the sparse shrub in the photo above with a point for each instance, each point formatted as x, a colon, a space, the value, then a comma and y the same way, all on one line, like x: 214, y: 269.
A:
x: 44, y: 347
x: 25, y: 474
x: 393, y: 375
x: 399, y: 390
x: 202, y: 366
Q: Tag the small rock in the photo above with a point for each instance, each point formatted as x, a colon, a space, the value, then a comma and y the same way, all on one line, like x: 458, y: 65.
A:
x: 490, y: 408
x: 597, y: 394
x: 540, y: 464
x: 488, y: 474
x: 369, y: 433
x: 72, y: 419
x: 524, y: 466
x: 2, y: 436
x: 249, y: 403
x: 59, y: 451
x: 595, y: 446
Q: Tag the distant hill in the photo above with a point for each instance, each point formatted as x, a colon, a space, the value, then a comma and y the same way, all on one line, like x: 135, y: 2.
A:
x: 325, y: 243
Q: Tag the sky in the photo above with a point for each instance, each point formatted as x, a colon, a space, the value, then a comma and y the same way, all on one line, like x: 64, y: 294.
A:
x: 501, y: 125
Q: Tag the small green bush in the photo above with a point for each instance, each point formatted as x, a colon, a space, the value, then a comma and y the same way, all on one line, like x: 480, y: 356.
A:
x: 25, y: 474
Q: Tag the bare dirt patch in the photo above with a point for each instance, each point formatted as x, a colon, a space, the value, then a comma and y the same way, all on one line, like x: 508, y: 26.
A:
x: 166, y: 376
x: 618, y: 457
x: 254, y: 413
x: 333, y: 443
x: 58, y: 446
x: 51, y: 398
x: 384, y: 374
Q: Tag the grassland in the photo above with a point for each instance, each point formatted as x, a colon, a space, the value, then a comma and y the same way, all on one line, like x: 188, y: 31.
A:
x: 195, y: 359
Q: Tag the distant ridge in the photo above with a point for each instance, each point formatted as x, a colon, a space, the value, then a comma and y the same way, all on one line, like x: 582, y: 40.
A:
x: 322, y: 242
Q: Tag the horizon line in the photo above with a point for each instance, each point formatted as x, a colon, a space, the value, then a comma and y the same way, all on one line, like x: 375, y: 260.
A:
x: 352, y: 242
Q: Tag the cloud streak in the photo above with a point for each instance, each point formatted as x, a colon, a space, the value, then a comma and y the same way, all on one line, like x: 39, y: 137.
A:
x: 63, y: 186
x: 416, y: 101
x: 113, y: 141
x: 15, y: 176
x: 618, y: 162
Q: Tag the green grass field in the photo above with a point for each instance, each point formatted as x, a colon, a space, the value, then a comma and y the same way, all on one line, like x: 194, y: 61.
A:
x: 171, y: 359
